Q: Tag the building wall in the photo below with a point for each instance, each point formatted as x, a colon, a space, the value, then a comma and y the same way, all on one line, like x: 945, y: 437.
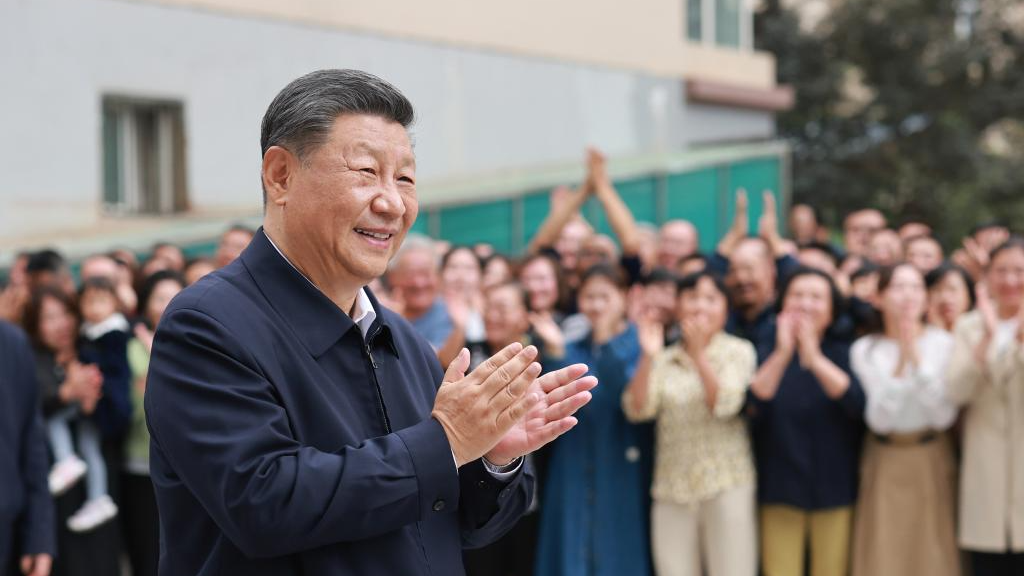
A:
x: 482, y: 111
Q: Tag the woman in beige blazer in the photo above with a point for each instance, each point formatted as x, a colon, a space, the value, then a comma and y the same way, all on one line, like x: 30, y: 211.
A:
x: 986, y: 376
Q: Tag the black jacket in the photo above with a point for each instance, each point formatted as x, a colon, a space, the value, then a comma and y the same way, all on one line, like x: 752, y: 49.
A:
x: 26, y: 509
x: 284, y: 443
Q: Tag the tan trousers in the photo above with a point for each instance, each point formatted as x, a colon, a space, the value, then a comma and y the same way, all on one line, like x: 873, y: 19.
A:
x: 784, y: 536
x: 721, y: 531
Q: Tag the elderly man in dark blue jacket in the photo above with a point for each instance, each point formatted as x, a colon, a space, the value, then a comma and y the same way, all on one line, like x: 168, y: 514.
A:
x: 298, y: 426
x: 27, y: 529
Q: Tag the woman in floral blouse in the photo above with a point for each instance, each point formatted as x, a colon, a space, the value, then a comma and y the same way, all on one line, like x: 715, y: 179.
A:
x: 704, y: 506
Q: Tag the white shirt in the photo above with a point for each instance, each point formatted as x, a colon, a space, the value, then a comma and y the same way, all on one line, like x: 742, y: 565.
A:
x: 363, y: 315
x: 913, y: 402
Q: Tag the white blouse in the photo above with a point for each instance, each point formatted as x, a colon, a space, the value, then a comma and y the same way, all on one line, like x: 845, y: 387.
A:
x: 914, y: 401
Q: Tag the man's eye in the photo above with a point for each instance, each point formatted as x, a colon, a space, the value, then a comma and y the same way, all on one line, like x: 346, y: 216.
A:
x: 370, y: 171
x: 406, y: 179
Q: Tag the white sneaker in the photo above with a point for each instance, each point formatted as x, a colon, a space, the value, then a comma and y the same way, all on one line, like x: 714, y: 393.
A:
x: 93, y: 513
x: 65, y: 473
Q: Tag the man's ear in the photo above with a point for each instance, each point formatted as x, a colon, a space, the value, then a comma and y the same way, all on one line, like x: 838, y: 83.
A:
x: 278, y: 167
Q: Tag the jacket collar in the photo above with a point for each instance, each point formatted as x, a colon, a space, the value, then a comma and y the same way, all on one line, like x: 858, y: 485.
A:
x: 314, y: 319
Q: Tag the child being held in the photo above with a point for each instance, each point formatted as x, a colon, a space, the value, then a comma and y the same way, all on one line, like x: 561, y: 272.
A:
x: 104, y: 341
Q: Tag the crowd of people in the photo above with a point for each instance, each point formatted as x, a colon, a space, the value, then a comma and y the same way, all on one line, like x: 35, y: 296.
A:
x: 783, y: 404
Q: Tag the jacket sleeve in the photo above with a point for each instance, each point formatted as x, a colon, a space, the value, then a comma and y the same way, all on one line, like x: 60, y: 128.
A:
x: 37, y: 525
x: 965, y: 374
x: 488, y: 507
x: 217, y: 425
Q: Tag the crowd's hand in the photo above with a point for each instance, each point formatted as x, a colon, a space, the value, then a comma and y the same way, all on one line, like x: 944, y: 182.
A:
x: 561, y: 195
x: 695, y: 338
x: 458, y: 310
x: 768, y: 224
x: 597, y: 167
x: 36, y: 565
x: 562, y: 393
x: 907, y: 328
x: 785, y: 334
x: 636, y: 306
x: 478, y: 409
x: 740, y: 226
x: 12, y: 301
x: 989, y: 321
x: 987, y: 309
x: 83, y: 383
x: 651, y: 334
x: 973, y: 257
x: 144, y: 335
x: 807, y: 341
x: 545, y: 327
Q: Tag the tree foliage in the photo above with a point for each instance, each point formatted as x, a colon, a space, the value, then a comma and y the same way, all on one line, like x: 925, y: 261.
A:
x: 912, y: 106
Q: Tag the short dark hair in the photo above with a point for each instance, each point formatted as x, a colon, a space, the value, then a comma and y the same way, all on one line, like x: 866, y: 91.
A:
x: 838, y: 300
x: 690, y: 281
x: 33, y: 311
x: 524, y: 296
x: 99, y: 284
x: 47, y: 260
x: 1011, y: 243
x: 610, y: 272
x: 937, y: 275
x: 659, y: 275
x: 823, y: 247
x: 302, y: 114
x: 451, y: 252
x: 150, y: 284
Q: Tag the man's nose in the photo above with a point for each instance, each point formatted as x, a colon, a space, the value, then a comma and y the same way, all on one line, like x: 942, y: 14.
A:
x: 388, y: 201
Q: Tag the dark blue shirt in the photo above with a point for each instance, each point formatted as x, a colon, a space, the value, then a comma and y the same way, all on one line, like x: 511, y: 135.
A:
x: 284, y: 442
x: 26, y: 509
x: 807, y: 445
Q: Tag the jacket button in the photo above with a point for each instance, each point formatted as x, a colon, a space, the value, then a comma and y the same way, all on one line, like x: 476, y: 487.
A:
x: 482, y: 484
x: 438, y: 505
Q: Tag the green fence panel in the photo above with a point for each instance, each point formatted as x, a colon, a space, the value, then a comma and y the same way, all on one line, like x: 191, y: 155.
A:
x: 693, y: 196
x: 489, y: 222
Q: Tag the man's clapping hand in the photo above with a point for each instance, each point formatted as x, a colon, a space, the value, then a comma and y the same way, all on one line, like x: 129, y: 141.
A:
x: 502, y: 409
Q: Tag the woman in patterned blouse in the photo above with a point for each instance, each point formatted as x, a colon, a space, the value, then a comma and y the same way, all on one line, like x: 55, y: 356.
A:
x: 704, y: 506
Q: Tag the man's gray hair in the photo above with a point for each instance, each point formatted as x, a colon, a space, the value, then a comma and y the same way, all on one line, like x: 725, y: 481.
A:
x: 414, y: 243
x: 302, y: 114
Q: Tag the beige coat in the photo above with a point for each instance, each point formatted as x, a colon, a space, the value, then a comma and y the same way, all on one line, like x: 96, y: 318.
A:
x: 992, y: 470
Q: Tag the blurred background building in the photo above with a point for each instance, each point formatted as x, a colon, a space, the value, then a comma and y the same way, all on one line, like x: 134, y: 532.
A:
x: 130, y: 121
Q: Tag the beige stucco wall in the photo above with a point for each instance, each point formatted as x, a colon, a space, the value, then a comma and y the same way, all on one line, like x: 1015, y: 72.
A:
x: 642, y: 35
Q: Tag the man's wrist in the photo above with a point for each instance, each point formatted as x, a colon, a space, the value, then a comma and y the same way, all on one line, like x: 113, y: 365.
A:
x: 500, y: 466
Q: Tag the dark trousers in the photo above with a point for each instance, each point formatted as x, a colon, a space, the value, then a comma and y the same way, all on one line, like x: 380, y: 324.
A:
x: 1004, y: 564
x: 141, y: 523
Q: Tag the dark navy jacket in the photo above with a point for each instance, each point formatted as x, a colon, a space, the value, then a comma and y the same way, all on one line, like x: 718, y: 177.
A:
x: 283, y: 443
x: 26, y: 509
x: 806, y: 445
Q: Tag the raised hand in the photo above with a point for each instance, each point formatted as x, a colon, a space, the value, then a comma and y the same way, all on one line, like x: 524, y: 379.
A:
x: 807, y: 340
x: 651, y: 335
x: 695, y: 338
x: 908, y: 328
x: 477, y: 410
x: 545, y: 327
x: 458, y: 310
x: 740, y: 226
x: 597, y: 166
x: 144, y: 335
x: 785, y: 333
x: 562, y: 392
x: 987, y: 309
